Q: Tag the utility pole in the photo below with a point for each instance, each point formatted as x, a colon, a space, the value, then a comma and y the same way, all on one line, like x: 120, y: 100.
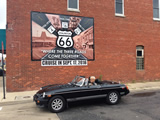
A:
x: 4, y: 95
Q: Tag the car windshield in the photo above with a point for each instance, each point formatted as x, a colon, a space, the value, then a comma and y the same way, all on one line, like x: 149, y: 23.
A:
x: 78, y: 81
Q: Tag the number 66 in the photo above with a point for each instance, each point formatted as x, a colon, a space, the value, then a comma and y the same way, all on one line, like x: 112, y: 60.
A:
x: 64, y: 42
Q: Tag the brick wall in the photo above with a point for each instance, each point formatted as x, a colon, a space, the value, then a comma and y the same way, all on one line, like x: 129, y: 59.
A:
x: 116, y: 39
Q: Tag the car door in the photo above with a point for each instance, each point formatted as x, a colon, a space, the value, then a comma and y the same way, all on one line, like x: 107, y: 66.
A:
x: 94, y: 90
x: 88, y: 92
x: 84, y: 92
x: 77, y: 91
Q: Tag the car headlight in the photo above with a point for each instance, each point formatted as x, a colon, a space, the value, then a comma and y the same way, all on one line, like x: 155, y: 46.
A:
x: 44, y: 94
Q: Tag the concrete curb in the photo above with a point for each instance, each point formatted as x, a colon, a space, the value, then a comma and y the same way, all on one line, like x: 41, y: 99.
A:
x: 19, y: 96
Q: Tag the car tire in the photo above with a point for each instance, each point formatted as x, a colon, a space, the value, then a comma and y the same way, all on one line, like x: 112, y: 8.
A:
x: 113, y: 97
x: 56, y: 104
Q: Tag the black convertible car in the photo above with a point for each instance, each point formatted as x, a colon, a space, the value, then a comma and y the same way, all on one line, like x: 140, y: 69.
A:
x: 57, y: 96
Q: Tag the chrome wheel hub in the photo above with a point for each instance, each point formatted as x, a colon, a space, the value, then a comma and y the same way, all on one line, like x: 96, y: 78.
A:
x: 113, y: 97
x: 57, y: 104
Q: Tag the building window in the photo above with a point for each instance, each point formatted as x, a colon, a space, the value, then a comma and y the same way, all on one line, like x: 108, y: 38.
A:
x: 119, y: 7
x: 140, y: 58
x: 73, y: 5
x: 156, y: 12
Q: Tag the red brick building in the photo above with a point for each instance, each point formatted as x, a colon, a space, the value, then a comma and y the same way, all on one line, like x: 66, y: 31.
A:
x: 126, y: 42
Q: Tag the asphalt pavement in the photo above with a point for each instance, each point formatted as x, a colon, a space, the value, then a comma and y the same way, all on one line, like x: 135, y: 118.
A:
x: 144, y: 105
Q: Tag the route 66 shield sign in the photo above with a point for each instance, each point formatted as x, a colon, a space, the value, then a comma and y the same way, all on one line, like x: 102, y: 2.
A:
x: 64, y: 39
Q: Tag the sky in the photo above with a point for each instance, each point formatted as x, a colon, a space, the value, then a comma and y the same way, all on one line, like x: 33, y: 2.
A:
x: 2, y: 14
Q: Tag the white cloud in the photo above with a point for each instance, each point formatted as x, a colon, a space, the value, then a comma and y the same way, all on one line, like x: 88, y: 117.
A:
x: 2, y: 14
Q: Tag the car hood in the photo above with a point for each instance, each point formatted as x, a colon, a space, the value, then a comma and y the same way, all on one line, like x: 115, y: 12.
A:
x: 54, y: 87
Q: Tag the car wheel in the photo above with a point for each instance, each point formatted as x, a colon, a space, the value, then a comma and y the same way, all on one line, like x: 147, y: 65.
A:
x: 56, y: 104
x: 113, y: 97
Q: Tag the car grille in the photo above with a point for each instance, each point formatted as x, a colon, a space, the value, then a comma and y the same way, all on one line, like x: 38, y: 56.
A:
x: 38, y: 95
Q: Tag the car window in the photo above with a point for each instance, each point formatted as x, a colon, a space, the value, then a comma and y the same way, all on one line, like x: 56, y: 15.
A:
x: 86, y: 82
x: 80, y: 81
